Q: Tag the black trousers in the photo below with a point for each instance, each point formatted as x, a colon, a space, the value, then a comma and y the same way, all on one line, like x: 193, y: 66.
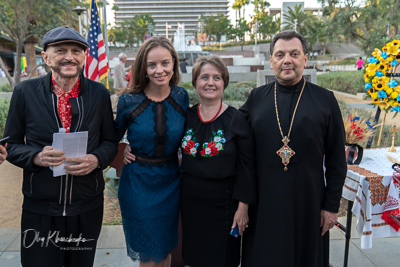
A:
x: 60, y: 241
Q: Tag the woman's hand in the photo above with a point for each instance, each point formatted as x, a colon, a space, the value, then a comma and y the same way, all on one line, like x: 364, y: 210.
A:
x: 241, y: 217
x: 128, y: 156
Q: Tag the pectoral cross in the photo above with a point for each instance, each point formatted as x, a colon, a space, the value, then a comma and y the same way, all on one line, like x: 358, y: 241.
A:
x: 285, y: 152
x: 393, y: 130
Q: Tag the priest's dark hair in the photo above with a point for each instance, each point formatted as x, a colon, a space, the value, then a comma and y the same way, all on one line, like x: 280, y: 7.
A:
x: 216, y: 61
x: 289, y: 35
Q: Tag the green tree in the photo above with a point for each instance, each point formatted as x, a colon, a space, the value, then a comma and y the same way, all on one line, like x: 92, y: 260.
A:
x: 371, y: 24
x: 141, y: 23
x: 267, y: 26
x: 132, y: 31
x: 260, y: 6
x: 241, y: 28
x: 296, y: 19
x: 117, y: 35
x: 239, y: 4
x: 216, y: 25
x: 25, y: 21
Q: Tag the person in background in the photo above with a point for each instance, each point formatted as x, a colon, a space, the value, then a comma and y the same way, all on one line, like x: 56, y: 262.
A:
x: 359, y: 64
x: 68, y: 207
x: 153, y: 111
x: 184, y: 63
x: 41, y: 71
x: 119, y: 72
x: 3, y: 154
x: 218, y: 181
x: 298, y: 128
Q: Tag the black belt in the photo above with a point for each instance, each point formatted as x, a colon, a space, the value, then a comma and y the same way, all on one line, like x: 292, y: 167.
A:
x: 157, y: 160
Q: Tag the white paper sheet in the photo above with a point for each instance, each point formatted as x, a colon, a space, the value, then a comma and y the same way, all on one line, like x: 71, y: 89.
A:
x: 73, y: 145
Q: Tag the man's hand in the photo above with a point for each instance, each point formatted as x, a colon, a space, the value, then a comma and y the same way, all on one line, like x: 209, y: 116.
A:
x: 328, y: 220
x: 85, y: 165
x: 3, y: 153
x: 49, y: 157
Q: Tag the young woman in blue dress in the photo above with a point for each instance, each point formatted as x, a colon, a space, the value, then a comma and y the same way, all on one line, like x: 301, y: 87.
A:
x: 153, y: 111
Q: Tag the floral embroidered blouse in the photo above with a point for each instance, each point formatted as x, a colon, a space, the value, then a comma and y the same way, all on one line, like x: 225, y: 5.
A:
x: 220, y: 149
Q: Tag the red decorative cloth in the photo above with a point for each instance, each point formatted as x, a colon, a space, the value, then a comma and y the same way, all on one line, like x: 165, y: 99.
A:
x: 64, y: 105
x: 391, y: 214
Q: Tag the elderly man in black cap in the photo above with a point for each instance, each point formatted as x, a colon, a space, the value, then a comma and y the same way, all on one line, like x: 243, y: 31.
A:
x: 61, y: 215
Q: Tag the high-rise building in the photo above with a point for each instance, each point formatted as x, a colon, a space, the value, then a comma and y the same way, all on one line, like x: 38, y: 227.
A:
x: 167, y: 14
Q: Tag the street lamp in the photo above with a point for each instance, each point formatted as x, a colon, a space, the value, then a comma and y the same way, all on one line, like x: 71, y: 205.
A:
x: 79, y: 10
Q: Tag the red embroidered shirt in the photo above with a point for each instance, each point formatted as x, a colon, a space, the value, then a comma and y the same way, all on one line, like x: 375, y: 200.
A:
x: 64, y: 106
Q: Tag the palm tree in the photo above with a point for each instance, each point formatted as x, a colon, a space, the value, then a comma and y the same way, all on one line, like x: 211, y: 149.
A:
x: 296, y: 19
x: 237, y: 6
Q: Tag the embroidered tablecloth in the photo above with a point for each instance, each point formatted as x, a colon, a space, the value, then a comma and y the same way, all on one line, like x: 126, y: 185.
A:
x: 368, y: 185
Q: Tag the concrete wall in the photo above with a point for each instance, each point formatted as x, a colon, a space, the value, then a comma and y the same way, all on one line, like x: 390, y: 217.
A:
x: 228, y: 61
x: 264, y: 75
x: 234, y: 53
x: 245, y: 61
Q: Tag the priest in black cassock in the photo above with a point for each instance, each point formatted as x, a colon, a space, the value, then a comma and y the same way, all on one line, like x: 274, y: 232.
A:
x: 299, y: 137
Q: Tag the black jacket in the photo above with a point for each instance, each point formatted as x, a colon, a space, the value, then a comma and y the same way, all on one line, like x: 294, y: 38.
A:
x: 32, y: 120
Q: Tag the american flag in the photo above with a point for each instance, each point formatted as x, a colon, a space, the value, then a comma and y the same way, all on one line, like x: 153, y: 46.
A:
x: 96, y: 65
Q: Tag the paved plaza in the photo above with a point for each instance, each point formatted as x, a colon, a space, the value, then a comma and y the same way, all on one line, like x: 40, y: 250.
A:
x: 111, y: 250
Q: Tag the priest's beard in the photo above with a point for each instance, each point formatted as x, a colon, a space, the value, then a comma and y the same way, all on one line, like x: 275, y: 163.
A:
x: 57, y: 69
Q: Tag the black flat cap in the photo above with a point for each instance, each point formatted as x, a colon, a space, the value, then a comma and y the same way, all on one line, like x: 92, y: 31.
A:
x: 63, y: 35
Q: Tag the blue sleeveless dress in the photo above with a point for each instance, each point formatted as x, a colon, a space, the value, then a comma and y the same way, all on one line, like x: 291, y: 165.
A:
x: 149, y: 189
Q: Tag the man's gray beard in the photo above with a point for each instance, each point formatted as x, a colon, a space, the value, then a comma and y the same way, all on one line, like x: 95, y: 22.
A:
x: 57, y: 69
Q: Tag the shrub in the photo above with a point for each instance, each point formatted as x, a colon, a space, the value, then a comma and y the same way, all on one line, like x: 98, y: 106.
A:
x: 235, y: 94
x: 361, y: 112
x: 110, y: 85
x: 186, y: 85
x: 351, y: 82
x: 4, y: 105
x: 5, y: 87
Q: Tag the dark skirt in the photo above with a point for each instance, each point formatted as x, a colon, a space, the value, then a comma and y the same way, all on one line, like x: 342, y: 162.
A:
x: 207, y: 210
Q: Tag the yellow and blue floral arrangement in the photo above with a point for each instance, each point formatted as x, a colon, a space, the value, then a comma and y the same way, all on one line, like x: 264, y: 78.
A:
x: 379, y: 77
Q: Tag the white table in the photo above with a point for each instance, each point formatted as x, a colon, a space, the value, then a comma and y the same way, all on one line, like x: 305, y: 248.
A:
x: 368, y: 185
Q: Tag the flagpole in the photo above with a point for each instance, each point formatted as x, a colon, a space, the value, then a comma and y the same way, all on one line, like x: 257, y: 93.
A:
x: 106, y: 31
x: 166, y: 29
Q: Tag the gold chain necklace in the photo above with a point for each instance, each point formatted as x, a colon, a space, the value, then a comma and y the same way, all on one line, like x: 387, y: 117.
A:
x: 285, y: 152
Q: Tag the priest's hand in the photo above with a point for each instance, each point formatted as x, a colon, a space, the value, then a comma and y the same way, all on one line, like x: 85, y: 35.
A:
x: 328, y: 220
x: 128, y: 156
x: 241, y: 217
x: 83, y: 165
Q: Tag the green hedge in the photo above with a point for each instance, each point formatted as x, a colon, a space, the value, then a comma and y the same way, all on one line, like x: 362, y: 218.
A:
x: 351, y: 82
x: 5, y: 87
x: 235, y: 94
x: 4, y: 105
